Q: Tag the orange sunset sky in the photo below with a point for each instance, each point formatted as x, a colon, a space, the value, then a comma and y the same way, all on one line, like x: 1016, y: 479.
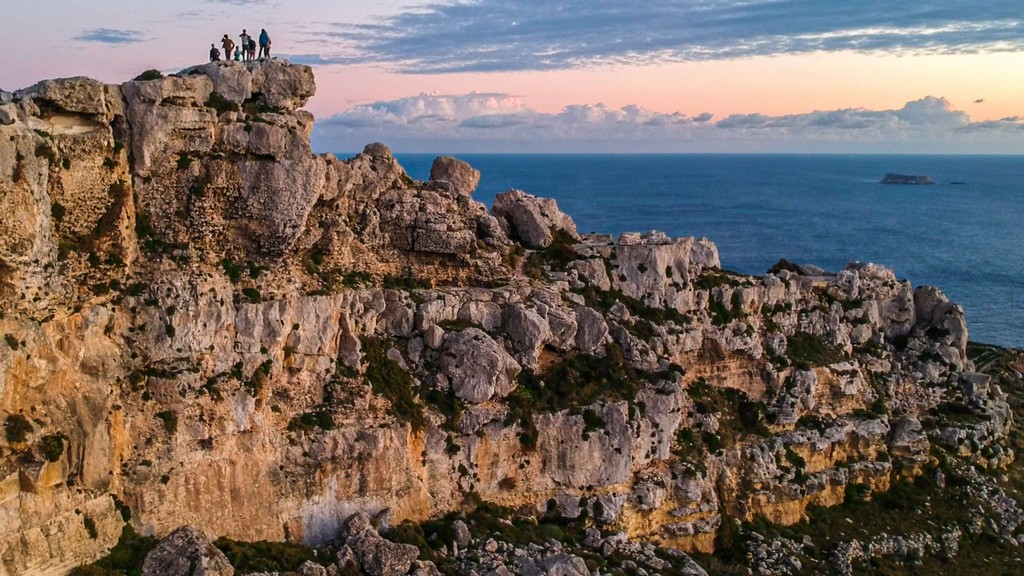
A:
x: 586, y: 75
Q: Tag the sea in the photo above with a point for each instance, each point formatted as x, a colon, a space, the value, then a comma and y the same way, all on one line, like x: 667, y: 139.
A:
x: 963, y: 234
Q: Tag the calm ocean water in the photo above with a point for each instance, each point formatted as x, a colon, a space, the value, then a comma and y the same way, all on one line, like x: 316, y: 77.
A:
x: 819, y: 209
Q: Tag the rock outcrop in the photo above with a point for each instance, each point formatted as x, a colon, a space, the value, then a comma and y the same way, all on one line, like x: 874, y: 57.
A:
x: 186, y: 552
x: 893, y: 178
x: 205, y: 323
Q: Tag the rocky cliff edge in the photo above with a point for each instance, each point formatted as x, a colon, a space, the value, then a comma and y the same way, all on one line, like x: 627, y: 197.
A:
x: 205, y: 323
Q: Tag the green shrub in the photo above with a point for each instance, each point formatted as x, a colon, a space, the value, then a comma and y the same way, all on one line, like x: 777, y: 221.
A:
x: 124, y: 559
x: 311, y: 420
x: 387, y: 378
x: 17, y: 428
x: 806, y: 350
x: 406, y: 283
x: 264, y: 556
x: 151, y: 74
x: 170, y: 420
x: 252, y: 294
x: 592, y: 421
x: 52, y: 446
x: 232, y: 270
x: 57, y: 211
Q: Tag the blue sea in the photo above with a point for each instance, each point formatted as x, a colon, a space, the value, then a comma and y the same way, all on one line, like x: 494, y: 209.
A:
x: 963, y: 234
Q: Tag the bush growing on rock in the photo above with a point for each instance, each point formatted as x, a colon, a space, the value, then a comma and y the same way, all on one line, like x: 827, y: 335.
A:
x: 390, y: 380
x: 52, y: 446
x: 17, y: 428
x: 263, y: 556
x: 151, y: 74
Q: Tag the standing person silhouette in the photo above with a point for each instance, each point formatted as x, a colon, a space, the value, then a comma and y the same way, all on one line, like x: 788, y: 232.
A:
x: 244, y: 44
x: 251, y: 48
x: 214, y: 53
x: 228, y: 45
x: 264, y: 43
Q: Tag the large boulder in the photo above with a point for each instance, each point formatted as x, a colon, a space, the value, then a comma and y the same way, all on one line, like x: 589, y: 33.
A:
x: 281, y: 84
x: 477, y: 367
x: 530, y: 219
x: 376, y: 555
x: 455, y: 175
x: 186, y: 552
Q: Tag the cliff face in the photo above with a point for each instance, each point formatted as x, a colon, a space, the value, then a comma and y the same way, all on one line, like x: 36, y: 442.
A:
x: 207, y: 324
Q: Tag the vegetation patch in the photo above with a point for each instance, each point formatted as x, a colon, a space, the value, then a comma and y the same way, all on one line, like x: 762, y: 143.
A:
x: 265, y: 556
x: 52, y: 446
x: 151, y: 74
x: 579, y: 380
x: 557, y: 255
x: 713, y: 278
x: 57, y: 211
x: 252, y: 295
x: 124, y: 559
x: 605, y: 299
x: 170, y: 420
x: 805, y: 350
x: 310, y: 421
x: 390, y: 380
x: 738, y: 415
x: 17, y: 428
x: 406, y: 283
x: 231, y: 270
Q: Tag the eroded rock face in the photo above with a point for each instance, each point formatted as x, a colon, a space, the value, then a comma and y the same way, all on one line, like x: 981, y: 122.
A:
x: 194, y: 326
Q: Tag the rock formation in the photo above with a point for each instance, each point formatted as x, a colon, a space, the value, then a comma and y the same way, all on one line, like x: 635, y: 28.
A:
x: 207, y: 324
x: 893, y: 178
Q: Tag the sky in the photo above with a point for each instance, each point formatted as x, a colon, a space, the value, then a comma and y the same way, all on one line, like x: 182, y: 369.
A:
x: 450, y: 76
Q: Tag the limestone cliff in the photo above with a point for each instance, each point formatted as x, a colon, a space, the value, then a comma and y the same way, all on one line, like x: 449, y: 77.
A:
x: 205, y: 323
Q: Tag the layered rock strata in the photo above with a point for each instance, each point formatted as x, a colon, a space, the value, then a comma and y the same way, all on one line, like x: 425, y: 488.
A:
x: 207, y: 324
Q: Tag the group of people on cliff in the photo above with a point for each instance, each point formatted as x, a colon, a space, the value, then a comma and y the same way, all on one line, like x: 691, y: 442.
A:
x: 244, y: 50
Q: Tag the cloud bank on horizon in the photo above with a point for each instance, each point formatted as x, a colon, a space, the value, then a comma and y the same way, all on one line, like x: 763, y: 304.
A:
x: 498, y: 122
x: 511, y: 35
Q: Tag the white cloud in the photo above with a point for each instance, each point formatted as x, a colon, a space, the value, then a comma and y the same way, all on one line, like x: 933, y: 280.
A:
x: 503, y: 122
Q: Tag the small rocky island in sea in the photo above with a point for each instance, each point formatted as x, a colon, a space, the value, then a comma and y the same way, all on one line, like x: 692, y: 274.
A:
x: 893, y: 178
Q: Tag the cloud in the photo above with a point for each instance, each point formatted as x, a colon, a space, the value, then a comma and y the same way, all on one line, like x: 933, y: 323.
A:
x: 503, y: 35
x: 110, y: 36
x: 503, y: 122
x: 315, y: 59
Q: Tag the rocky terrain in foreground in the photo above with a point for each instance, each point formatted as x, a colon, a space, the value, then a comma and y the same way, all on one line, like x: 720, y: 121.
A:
x: 224, y: 354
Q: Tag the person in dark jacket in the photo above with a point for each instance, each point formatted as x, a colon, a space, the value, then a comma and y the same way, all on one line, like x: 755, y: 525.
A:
x: 214, y: 53
x: 251, y: 48
x: 264, y: 43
